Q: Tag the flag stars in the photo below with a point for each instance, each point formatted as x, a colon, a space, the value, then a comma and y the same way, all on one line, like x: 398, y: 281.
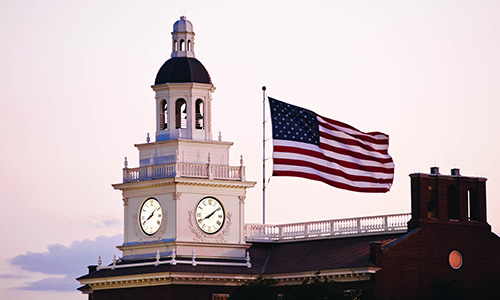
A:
x: 293, y: 123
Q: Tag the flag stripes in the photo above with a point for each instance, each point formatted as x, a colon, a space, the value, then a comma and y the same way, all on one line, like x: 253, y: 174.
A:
x: 337, y: 154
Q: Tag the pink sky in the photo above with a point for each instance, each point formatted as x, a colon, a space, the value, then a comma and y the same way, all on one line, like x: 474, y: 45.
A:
x: 75, y: 93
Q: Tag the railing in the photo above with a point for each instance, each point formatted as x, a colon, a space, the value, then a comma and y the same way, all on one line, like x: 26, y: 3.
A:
x: 180, y: 169
x: 330, y: 228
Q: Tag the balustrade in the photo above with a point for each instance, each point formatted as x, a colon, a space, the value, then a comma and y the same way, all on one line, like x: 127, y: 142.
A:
x: 189, y: 170
x: 342, y: 227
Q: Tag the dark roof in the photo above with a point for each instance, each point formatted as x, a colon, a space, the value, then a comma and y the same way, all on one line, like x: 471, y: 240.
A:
x: 324, y: 254
x: 182, y: 69
x: 279, y: 258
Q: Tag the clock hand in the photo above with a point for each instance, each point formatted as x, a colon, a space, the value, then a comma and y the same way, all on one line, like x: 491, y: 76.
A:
x: 212, y: 213
x: 151, y: 215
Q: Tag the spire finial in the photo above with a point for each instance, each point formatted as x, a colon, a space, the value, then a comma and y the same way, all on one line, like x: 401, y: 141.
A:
x: 157, y: 263
x: 173, y: 262
x: 249, y: 264
x: 99, y: 263
x: 193, y: 259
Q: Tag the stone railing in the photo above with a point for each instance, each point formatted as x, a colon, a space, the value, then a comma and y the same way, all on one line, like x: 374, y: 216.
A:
x: 330, y: 228
x: 180, y: 169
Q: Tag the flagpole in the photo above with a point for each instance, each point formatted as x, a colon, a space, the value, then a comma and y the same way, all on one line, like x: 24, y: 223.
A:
x: 263, y: 155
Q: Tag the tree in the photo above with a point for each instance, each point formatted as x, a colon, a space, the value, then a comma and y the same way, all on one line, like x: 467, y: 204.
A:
x: 316, y: 288
x: 447, y: 290
x: 260, y: 289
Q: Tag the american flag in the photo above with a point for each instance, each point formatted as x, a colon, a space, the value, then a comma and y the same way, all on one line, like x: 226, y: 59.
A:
x: 311, y: 146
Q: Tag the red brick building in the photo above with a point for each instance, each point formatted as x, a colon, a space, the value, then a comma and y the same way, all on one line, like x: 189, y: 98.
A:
x: 448, y: 239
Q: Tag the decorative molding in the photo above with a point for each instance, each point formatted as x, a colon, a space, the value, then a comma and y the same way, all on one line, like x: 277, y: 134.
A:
x: 221, y: 279
x: 242, y: 199
x: 177, y: 196
x: 125, y: 201
x: 184, y: 181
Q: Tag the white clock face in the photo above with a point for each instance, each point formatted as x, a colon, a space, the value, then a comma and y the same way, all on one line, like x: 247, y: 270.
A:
x: 150, y: 216
x: 210, y: 215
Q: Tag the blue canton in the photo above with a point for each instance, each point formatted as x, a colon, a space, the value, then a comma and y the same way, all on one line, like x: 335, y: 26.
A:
x: 293, y: 123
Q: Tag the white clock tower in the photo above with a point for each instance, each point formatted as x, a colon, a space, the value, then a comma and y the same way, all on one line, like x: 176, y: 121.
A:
x: 184, y: 198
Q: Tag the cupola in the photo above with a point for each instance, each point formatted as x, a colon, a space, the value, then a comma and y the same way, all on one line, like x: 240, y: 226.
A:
x: 183, y: 38
x: 183, y: 91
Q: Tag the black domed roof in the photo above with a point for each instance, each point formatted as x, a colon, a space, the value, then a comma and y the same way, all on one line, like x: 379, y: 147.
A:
x: 182, y: 69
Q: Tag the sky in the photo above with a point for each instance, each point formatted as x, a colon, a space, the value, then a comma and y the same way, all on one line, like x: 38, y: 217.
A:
x: 75, y: 97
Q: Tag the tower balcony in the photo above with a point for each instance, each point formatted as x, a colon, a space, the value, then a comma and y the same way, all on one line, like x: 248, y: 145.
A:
x: 186, y: 170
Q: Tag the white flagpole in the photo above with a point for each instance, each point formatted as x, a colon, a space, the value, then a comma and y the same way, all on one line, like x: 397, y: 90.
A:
x: 264, y: 155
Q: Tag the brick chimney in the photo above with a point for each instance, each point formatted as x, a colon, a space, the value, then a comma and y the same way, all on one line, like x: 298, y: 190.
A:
x: 375, y: 252
x: 443, y: 198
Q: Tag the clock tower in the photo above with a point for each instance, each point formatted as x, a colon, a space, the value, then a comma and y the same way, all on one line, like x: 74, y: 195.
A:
x: 184, y: 199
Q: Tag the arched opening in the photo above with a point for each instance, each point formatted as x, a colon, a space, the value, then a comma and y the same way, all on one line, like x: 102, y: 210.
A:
x: 163, y: 115
x: 432, y: 204
x: 473, y: 203
x: 189, y: 46
x: 181, y: 113
x: 174, y: 45
x: 453, y: 203
x: 181, y: 45
x: 199, y: 114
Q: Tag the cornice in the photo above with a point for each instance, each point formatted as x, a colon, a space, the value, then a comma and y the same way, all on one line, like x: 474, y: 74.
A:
x: 183, y: 85
x: 168, y: 278
x: 180, y: 141
x: 183, y: 181
x: 340, y: 275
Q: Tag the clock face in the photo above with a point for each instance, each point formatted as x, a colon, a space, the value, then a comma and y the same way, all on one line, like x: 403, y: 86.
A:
x: 150, y: 216
x: 210, y: 215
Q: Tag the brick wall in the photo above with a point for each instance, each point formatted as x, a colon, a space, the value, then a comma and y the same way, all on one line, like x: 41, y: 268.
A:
x: 412, y: 265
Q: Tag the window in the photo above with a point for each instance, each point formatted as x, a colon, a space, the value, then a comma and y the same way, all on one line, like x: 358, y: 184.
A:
x: 180, y: 114
x: 199, y: 114
x: 174, y: 45
x: 163, y: 115
x: 220, y: 296
x: 189, y: 45
x: 453, y: 203
x: 181, y: 45
x: 473, y: 203
x: 432, y: 203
